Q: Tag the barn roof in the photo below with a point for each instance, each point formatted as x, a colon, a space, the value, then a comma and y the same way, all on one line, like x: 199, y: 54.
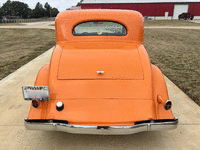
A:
x: 137, y: 1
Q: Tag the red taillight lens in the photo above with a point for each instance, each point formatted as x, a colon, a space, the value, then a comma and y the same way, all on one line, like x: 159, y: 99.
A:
x: 35, y: 103
x: 168, y: 105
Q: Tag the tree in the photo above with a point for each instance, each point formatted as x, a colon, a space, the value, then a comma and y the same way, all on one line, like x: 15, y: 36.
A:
x: 54, y: 12
x: 6, y: 8
x: 1, y: 14
x: 20, y: 9
x: 38, y: 12
x: 30, y: 13
x: 48, y: 10
x: 15, y: 8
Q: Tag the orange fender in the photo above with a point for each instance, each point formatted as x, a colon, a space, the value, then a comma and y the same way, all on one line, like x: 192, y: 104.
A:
x: 160, y: 88
x: 43, y: 77
x: 41, y: 80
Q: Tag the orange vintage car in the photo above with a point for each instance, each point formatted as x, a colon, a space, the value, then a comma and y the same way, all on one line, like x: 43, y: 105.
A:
x: 100, y: 79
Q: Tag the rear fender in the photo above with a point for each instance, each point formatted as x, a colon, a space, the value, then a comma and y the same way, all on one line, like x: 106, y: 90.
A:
x: 160, y: 88
x: 41, y: 80
x: 43, y: 77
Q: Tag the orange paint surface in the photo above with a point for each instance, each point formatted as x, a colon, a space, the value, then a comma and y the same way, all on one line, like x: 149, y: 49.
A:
x: 127, y: 90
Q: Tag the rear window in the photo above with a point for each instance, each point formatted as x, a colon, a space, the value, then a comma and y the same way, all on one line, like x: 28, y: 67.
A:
x: 99, y: 28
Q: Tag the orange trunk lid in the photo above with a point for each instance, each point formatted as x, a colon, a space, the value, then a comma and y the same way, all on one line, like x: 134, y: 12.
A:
x: 115, y: 64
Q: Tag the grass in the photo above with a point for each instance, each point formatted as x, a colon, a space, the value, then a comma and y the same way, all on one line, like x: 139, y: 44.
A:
x: 177, y: 53
x: 148, y: 23
x: 19, y: 46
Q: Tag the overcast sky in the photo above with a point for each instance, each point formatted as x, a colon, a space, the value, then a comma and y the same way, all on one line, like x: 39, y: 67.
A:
x: 60, y: 4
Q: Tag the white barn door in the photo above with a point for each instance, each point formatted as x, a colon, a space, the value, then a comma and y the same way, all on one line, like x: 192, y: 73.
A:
x: 178, y: 9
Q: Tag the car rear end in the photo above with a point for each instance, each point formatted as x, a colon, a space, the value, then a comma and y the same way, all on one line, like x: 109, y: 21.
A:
x: 99, y: 78
x: 104, y: 92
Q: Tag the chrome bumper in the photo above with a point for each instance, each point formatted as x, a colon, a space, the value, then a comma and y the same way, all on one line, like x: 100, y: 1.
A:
x: 155, y: 125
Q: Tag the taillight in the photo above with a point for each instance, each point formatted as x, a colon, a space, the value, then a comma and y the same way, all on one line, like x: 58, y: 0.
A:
x: 35, y: 103
x: 168, y: 105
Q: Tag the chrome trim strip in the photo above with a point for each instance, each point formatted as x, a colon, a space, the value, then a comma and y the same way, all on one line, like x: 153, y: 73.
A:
x: 110, y: 130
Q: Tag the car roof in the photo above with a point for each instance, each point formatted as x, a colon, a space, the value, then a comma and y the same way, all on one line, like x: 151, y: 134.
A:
x: 67, y: 20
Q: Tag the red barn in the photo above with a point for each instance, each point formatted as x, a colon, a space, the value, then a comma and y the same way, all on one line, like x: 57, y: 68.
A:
x: 157, y: 9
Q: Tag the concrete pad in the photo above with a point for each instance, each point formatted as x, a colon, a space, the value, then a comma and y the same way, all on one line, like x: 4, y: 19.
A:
x: 11, y: 137
x: 44, y: 23
x: 13, y: 110
x: 183, y: 107
x: 16, y: 137
x: 12, y: 106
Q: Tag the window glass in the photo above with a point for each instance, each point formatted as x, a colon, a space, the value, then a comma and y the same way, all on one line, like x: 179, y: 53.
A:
x: 99, y: 28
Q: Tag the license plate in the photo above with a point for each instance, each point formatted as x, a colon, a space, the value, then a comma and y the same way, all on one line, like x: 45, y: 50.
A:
x: 36, y: 92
